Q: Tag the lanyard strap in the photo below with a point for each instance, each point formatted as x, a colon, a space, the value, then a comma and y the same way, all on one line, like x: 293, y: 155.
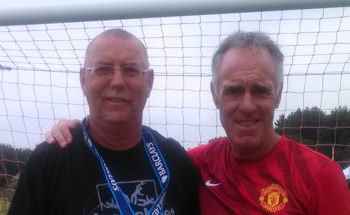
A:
x: 158, y: 163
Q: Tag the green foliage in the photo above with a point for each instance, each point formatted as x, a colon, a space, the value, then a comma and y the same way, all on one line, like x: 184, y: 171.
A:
x: 321, y: 131
x: 12, y: 163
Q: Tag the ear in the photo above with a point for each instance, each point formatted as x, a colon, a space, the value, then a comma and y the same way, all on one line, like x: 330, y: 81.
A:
x: 214, y: 95
x: 82, y: 79
x: 150, y: 79
x: 278, y: 97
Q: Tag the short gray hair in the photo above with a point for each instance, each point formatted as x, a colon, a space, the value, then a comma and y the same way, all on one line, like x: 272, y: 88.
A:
x: 252, y: 41
x: 119, y: 33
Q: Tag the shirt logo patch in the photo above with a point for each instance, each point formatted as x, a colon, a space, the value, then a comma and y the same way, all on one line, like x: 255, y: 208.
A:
x: 209, y: 184
x: 273, y: 198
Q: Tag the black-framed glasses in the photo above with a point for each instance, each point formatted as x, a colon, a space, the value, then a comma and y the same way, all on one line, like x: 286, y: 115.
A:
x: 105, y: 70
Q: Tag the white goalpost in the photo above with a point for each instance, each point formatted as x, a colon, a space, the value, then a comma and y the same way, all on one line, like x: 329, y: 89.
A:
x: 42, y: 48
x: 44, y: 12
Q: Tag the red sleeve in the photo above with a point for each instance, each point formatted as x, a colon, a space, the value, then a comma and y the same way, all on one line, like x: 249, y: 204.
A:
x: 329, y: 193
x: 196, y: 154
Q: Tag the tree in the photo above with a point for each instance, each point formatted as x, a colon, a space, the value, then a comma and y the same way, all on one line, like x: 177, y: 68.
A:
x: 12, y: 163
x: 326, y: 133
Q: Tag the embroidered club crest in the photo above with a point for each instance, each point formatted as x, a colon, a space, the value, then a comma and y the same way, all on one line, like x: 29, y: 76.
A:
x: 273, y: 198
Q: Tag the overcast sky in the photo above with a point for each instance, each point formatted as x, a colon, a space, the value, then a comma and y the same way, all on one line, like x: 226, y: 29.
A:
x: 43, y: 84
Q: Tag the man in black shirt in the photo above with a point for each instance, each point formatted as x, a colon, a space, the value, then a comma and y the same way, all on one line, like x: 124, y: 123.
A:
x: 116, y: 165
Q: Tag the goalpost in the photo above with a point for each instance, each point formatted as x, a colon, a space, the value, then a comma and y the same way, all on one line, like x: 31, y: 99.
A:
x: 69, y: 11
x: 42, y: 48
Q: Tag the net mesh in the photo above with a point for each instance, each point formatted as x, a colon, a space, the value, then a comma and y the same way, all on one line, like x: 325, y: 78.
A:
x: 39, y: 77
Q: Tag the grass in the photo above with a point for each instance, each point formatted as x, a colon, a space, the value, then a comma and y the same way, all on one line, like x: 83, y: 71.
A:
x: 4, y: 208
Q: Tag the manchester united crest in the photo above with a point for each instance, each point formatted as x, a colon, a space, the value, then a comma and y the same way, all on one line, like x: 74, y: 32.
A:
x: 273, y: 198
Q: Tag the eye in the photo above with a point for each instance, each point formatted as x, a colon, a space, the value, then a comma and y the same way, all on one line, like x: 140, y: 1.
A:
x: 102, y: 70
x: 232, y: 90
x: 261, y: 90
x: 131, y: 70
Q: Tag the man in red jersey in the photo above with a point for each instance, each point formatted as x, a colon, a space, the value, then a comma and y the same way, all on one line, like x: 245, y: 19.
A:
x: 256, y: 171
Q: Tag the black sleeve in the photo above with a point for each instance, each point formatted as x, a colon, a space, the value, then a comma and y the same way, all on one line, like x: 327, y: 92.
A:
x: 30, y: 196
x: 194, y: 195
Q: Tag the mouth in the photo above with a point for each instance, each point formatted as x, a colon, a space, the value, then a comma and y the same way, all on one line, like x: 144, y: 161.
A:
x: 116, y: 100
x: 247, y: 123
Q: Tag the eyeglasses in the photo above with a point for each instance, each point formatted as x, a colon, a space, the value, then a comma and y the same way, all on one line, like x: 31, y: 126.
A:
x: 105, y: 70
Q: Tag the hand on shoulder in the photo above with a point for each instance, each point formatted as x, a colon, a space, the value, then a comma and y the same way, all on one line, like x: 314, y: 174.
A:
x: 61, y: 132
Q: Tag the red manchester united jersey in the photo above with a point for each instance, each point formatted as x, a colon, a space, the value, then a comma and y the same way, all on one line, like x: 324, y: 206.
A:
x: 290, y: 179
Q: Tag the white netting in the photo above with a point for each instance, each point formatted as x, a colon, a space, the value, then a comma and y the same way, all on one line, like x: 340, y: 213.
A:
x: 40, y: 65
x: 39, y: 78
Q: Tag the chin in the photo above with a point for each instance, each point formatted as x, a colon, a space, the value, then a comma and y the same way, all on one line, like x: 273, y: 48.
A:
x: 115, y: 118
x: 245, y: 142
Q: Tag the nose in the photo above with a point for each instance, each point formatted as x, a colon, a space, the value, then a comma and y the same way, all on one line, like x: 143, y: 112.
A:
x: 117, y: 79
x: 247, y: 105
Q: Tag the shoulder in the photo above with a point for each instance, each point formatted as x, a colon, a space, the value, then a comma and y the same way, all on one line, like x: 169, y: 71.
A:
x: 214, y: 147
x: 329, y: 193
x: 165, y: 143
x: 173, y: 152
x: 309, y: 164
x: 180, y: 164
x: 211, y: 150
x: 322, y: 179
x: 46, y: 152
x: 302, y: 152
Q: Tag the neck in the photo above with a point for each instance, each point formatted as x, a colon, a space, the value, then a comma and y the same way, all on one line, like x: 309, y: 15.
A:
x: 115, y: 136
x: 256, y: 152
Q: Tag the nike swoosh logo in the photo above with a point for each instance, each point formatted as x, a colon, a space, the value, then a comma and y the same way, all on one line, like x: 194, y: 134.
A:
x: 210, y: 184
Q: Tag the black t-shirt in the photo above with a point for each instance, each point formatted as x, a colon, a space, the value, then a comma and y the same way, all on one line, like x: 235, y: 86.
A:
x: 71, y: 180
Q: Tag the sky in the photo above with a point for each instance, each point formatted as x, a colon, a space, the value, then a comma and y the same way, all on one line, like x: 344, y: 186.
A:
x: 43, y: 83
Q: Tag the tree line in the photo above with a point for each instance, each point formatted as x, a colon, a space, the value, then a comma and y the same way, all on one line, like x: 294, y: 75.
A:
x: 324, y: 132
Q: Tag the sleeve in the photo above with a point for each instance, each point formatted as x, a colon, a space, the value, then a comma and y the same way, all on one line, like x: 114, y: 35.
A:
x: 195, y: 190
x: 329, y: 193
x: 30, y: 197
x: 196, y: 154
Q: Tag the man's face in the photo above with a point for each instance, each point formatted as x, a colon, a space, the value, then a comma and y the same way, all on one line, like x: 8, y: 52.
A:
x: 246, y: 97
x: 116, y: 99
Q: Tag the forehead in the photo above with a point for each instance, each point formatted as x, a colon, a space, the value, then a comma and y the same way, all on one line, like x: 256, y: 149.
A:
x: 110, y: 48
x: 238, y: 63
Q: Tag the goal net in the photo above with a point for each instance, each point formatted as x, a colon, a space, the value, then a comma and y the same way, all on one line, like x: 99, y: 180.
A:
x: 39, y: 77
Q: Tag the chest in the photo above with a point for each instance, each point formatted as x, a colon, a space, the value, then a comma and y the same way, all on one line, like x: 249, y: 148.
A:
x: 257, y: 189
x: 78, y: 185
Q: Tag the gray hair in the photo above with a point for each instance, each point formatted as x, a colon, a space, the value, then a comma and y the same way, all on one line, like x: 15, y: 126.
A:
x: 252, y: 41
x: 119, y: 33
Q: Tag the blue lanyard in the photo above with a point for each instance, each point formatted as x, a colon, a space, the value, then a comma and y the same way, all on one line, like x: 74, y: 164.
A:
x: 158, y: 164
